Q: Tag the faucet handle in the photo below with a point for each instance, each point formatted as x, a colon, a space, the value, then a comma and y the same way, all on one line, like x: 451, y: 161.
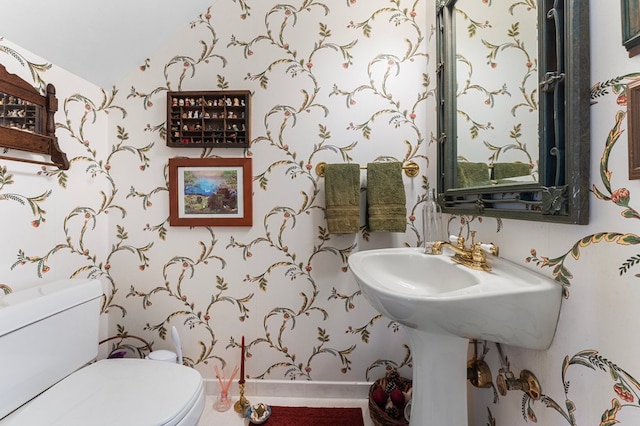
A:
x: 490, y: 248
x: 458, y: 241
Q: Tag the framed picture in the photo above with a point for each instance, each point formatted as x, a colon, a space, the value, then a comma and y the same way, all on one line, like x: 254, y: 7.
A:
x: 630, y: 11
x: 633, y: 128
x: 210, y: 192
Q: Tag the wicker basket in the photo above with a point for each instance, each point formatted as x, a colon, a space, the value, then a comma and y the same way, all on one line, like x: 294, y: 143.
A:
x: 377, y: 414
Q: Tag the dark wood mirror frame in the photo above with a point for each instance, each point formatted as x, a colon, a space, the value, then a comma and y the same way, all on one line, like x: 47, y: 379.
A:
x: 562, y: 193
x: 43, y: 140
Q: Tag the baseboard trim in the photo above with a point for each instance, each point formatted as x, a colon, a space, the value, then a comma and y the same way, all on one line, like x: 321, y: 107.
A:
x: 296, y: 389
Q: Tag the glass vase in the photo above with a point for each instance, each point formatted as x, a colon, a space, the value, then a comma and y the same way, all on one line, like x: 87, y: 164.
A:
x: 223, y: 403
x: 431, y: 222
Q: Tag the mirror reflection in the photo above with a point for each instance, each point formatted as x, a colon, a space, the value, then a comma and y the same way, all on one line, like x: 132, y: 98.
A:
x: 496, y: 92
x: 513, y: 108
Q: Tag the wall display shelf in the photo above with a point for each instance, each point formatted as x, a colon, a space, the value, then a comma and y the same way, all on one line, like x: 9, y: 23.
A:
x: 19, y: 114
x: 215, y: 119
x: 27, y: 120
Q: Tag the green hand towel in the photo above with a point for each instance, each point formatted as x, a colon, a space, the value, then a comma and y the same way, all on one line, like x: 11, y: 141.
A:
x: 386, y: 199
x: 507, y: 170
x: 472, y: 174
x: 342, y: 198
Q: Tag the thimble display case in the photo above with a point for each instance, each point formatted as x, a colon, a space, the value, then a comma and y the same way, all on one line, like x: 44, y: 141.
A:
x: 211, y: 119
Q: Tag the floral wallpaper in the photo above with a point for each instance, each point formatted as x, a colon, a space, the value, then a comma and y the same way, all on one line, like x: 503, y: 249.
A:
x: 348, y: 81
x: 334, y: 83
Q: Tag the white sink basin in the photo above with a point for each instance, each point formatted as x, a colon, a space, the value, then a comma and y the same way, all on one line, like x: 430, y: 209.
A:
x: 510, y: 304
x: 443, y: 304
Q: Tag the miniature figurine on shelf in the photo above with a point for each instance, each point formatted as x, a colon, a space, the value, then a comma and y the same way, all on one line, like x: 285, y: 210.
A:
x: 227, y: 101
x: 236, y: 102
x: 181, y: 102
x: 174, y: 102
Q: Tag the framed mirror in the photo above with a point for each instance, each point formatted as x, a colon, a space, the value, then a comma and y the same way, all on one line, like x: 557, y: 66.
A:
x: 513, y: 109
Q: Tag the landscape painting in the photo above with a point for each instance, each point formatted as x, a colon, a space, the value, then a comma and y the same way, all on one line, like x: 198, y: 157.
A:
x: 210, y: 191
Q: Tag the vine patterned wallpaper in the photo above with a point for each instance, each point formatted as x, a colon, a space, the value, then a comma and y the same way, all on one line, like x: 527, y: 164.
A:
x: 346, y: 81
x: 336, y: 83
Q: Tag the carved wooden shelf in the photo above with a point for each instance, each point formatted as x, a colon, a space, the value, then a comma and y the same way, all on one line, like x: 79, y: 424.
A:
x: 27, y: 120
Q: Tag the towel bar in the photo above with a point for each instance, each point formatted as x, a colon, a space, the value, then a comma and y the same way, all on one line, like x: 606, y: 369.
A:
x: 411, y: 169
x: 28, y: 160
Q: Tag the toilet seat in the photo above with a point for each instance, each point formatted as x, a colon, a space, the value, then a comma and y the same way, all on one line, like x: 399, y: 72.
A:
x: 118, y: 392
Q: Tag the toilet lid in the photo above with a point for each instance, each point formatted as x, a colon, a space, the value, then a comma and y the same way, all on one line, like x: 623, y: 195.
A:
x: 116, y: 392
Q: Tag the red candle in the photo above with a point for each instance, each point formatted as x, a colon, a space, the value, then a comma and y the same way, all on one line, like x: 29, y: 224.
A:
x: 241, y: 381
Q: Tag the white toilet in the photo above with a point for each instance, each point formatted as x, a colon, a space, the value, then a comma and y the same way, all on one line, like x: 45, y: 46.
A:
x: 47, y: 336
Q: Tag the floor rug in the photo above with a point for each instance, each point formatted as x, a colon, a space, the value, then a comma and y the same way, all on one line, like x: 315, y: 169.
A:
x: 314, y: 416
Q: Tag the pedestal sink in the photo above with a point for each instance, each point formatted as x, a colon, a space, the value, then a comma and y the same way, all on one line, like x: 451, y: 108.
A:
x: 443, y: 304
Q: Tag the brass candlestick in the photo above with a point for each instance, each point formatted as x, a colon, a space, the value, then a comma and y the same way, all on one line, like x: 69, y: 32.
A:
x: 242, y: 405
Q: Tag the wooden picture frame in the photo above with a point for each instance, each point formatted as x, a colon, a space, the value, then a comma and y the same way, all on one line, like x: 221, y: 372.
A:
x: 633, y: 128
x: 210, y: 192
x: 630, y: 13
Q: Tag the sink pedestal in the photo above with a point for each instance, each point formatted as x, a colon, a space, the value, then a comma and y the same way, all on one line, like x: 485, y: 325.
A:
x: 439, y: 379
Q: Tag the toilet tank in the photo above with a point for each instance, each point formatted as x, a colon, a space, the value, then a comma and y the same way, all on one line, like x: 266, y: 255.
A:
x: 46, y: 332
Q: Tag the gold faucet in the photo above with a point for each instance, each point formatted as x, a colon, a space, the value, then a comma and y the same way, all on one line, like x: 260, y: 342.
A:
x: 474, y: 257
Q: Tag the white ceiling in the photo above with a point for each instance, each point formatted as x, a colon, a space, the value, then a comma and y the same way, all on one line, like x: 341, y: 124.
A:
x: 100, y: 41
